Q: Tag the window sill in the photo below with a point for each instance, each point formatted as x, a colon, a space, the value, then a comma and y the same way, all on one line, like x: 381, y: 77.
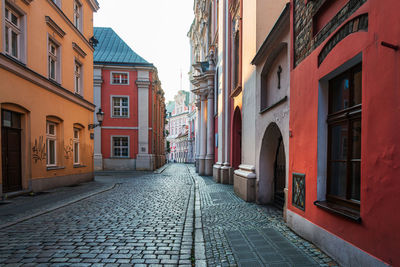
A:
x: 273, y: 105
x: 347, y: 213
x: 51, y: 168
x: 79, y: 166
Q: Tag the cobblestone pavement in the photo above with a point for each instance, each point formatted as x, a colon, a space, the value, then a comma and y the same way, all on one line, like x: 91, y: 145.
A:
x: 141, y: 221
x: 237, y: 233
x: 169, y: 218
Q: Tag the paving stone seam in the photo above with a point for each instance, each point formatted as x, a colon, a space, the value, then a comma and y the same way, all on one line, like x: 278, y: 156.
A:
x: 39, y: 213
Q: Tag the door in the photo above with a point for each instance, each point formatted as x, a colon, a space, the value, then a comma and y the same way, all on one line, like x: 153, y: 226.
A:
x: 11, y: 151
x: 279, y: 175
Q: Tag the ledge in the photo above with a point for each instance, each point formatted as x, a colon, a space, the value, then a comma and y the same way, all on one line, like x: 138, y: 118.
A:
x: 79, y: 166
x: 274, y: 105
x: 55, y: 168
x: 347, y: 213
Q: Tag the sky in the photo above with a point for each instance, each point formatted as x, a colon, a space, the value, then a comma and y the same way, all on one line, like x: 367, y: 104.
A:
x: 157, y: 31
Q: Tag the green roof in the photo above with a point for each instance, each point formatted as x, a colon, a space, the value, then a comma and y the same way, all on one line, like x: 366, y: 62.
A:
x: 112, y: 50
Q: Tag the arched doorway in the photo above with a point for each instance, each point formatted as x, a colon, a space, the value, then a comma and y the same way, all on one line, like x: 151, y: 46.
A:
x: 237, y: 139
x: 279, y: 175
x: 272, y: 168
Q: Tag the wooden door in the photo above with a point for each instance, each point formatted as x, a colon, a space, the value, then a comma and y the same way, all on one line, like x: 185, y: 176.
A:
x: 11, y: 157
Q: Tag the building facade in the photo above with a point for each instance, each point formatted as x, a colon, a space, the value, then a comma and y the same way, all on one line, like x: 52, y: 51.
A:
x: 46, y: 104
x: 296, y: 114
x: 177, y: 128
x: 344, y: 148
x: 129, y: 92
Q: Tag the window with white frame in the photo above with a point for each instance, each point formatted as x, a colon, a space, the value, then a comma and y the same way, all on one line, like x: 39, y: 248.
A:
x: 77, y: 78
x: 51, y: 143
x: 120, y: 106
x: 120, y: 146
x: 78, y: 15
x: 119, y: 78
x: 53, y: 60
x: 13, y: 33
x: 76, y: 146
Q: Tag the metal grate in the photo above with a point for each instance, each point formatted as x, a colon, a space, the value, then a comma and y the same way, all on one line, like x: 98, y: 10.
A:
x: 299, y: 191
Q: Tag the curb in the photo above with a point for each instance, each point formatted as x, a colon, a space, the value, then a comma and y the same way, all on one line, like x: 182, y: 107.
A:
x: 161, y: 169
x: 57, y: 207
x: 199, y: 248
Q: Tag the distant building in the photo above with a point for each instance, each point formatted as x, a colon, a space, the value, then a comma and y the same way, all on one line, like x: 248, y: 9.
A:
x: 127, y: 89
x: 46, y: 61
x: 177, y: 128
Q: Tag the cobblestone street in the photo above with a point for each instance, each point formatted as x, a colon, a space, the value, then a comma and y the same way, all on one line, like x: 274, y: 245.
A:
x: 154, y: 219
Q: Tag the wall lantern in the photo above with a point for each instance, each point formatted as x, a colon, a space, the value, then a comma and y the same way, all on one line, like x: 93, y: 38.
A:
x: 100, y: 117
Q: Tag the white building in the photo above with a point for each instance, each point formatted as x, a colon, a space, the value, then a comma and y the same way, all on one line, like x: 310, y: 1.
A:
x: 179, y: 137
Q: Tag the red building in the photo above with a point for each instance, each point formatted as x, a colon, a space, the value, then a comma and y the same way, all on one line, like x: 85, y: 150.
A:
x: 127, y: 89
x: 344, y: 149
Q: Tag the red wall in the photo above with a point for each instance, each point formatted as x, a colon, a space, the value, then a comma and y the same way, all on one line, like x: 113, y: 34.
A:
x: 378, y: 234
x: 123, y: 90
x: 106, y: 141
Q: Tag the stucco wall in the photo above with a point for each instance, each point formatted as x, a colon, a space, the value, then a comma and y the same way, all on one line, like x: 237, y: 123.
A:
x: 380, y: 150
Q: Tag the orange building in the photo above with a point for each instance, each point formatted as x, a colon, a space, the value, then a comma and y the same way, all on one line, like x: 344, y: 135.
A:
x: 46, y: 93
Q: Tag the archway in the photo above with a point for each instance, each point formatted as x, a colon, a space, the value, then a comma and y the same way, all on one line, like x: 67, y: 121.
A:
x: 272, y: 176
x: 236, y: 139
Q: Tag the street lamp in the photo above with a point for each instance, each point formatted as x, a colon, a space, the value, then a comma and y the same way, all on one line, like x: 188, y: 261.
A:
x: 100, y: 117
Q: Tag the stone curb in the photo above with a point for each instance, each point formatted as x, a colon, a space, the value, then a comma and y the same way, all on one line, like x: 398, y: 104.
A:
x: 163, y: 168
x: 77, y: 199
x: 199, y: 245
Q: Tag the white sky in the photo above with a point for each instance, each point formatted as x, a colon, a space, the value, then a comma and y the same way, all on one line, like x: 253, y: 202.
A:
x: 157, y: 31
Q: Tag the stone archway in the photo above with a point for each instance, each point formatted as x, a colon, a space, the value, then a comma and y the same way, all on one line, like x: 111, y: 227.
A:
x: 272, y: 166
x: 236, y: 139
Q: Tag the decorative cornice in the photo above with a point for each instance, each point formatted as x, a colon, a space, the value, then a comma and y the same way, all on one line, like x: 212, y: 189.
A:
x: 57, y: 29
x: 78, y: 49
x: 143, y: 83
x: 94, y: 5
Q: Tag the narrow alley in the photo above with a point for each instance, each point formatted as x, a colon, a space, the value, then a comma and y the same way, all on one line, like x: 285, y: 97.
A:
x: 173, y: 217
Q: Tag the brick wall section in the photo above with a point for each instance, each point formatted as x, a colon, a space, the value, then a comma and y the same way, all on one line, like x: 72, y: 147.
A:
x: 304, y: 41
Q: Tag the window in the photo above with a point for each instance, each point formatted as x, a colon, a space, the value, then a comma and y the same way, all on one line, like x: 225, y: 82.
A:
x: 12, y: 33
x: 76, y: 146
x: 53, y: 61
x: 344, y: 138
x: 78, y: 15
x: 120, y: 107
x: 120, y: 146
x: 119, y: 78
x: 51, y: 141
x: 78, y: 70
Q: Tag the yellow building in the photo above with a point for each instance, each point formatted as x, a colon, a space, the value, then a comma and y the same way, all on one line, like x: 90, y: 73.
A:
x: 46, y: 93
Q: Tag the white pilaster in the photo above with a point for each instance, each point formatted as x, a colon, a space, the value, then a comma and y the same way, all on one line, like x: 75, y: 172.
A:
x: 226, y: 172
x: 203, y: 134
x: 197, y: 133
x: 144, y: 159
x: 97, y: 156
